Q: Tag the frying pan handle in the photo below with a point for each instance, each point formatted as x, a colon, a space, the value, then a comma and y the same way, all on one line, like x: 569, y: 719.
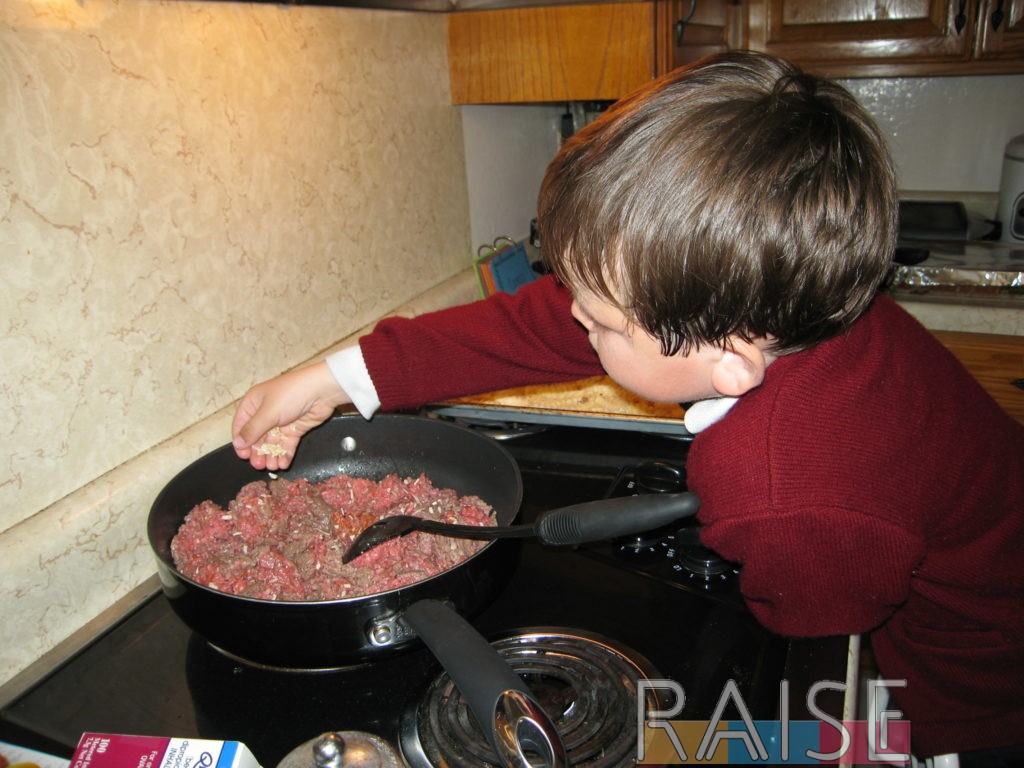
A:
x: 503, y: 706
x: 608, y: 518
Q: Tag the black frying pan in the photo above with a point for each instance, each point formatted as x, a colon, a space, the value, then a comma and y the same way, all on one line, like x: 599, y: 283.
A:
x: 331, y: 633
x: 312, y: 635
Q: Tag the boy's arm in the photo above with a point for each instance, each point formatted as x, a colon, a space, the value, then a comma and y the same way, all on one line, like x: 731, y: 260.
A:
x: 529, y: 337
x: 505, y: 341
x: 822, y: 572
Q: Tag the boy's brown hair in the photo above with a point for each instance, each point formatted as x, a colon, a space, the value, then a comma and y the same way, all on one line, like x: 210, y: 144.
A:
x: 735, y: 196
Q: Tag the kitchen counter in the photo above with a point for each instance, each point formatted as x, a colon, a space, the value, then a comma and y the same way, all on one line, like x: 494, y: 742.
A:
x: 960, y: 314
x: 996, y: 361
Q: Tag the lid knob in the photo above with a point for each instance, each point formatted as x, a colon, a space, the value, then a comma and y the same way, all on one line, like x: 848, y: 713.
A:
x: 329, y: 751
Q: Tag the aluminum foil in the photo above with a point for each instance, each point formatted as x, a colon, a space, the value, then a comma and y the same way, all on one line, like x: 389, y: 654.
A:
x: 976, y: 265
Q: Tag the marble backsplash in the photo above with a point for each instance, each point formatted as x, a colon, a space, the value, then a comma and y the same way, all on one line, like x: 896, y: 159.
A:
x: 193, y: 197
x: 65, y: 565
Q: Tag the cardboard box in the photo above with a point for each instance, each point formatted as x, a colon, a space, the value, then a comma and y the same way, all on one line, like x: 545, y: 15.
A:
x: 107, y: 750
x: 15, y: 756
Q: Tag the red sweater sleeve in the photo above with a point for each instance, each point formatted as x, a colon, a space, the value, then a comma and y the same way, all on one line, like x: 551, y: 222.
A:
x: 820, y: 571
x: 508, y: 340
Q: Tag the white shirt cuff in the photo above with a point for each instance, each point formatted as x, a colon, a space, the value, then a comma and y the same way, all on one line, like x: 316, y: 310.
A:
x: 702, y: 414
x: 349, y: 368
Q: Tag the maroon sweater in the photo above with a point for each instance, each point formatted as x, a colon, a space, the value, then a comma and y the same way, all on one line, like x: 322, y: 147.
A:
x: 868, y: 485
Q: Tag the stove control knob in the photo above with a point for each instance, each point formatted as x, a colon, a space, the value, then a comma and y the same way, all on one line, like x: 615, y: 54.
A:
x: 652, y: 477
x: 698, y: 562
x: 659, y: 477
x: 641, y: 548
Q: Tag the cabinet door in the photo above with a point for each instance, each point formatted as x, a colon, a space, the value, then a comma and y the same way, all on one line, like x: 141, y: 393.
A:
x: 865, y: 37
x: 687, y: 30
x: 1001, y: 31
x: 550, y: 54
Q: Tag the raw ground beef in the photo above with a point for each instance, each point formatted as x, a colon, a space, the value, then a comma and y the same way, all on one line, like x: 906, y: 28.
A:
x: 283, y: 539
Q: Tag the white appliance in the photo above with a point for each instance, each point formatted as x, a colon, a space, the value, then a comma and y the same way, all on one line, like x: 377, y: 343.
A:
x: 1011, y: 192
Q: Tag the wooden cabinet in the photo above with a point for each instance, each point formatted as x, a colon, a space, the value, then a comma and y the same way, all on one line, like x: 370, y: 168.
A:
x: 602, y: 51
x: 997, y: 362
x: 878, y: 38
x: 686, y: 30
x: 1001, y: 34
x: 550, y: 54
x: 561, y: 53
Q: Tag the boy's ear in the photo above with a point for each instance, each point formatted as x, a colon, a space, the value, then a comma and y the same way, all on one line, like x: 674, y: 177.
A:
x: 740, y: 368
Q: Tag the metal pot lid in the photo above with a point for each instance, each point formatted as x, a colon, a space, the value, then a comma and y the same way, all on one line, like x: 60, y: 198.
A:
x: 586, y: 683
x: 343, y: 749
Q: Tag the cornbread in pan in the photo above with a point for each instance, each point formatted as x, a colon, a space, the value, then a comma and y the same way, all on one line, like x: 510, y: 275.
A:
x: 593, y: 397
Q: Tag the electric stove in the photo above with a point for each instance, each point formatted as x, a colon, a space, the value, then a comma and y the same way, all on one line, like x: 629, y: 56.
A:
x: 571, y: 622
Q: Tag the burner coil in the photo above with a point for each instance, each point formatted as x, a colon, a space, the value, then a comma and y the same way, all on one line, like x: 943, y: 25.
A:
x: 586, y: 684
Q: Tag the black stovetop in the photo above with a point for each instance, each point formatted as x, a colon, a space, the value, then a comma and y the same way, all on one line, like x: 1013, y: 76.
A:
x: 149, y: 674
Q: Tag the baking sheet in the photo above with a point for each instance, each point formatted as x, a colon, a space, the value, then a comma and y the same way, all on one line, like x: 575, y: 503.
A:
x: 596, y: 402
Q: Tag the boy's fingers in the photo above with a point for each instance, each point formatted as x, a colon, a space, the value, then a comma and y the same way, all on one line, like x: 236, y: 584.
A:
x: 254, y: 430
x: 251, y: 424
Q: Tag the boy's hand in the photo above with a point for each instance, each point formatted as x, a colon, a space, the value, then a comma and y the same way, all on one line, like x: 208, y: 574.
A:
x: 273, y: 416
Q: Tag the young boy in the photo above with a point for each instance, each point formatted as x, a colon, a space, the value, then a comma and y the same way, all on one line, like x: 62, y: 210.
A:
x: 719, y: 238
